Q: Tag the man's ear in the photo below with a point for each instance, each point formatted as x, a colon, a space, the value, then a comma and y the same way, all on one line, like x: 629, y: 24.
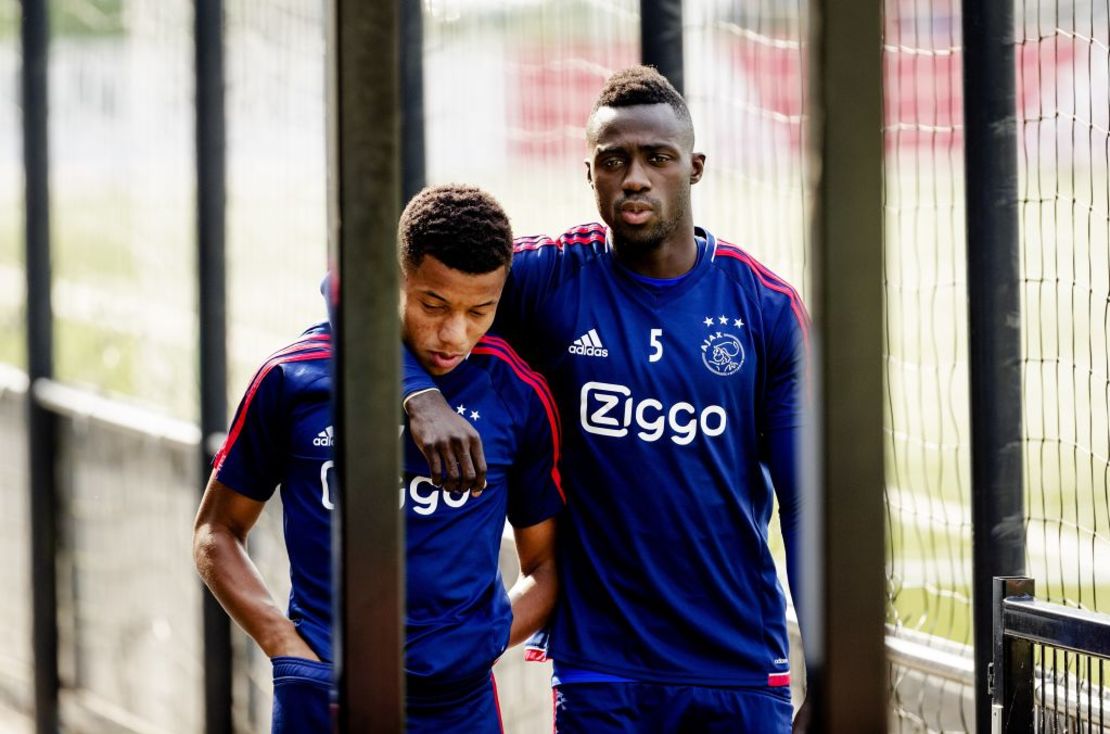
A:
x: 697, y: 167
x: 589, y: 173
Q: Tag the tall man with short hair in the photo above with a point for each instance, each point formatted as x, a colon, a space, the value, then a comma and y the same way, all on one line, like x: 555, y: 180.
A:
x: 455, y: 251
x: 681, y: 360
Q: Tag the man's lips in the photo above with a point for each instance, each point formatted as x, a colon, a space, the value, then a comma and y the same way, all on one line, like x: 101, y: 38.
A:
x: 444, y: 360
x: 635, y: 212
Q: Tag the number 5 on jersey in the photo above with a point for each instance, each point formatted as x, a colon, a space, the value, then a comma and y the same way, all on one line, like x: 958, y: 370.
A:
x: 656, y: 345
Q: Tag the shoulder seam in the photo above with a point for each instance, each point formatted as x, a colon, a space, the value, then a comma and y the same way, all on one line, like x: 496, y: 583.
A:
x: 294, y: 353
x: 769, y: 280
x: 585, y: 234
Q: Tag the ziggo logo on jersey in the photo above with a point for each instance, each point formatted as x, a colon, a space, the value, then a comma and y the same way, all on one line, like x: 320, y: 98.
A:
x: 427, y: 496
x: 609, y: 410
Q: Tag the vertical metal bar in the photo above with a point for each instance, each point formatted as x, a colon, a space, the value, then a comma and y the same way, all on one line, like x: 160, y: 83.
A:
x: 1055, y: 689
x: 1067, y: 692
x: 1041, y: 710
x: 364, y: 204
x: 211, y: 303
x: 41, y: 428
x: 661, y: 38
x: 413, y: 175
x: 1012, y: 659
x: 844, y: 575
x: 990, y: 154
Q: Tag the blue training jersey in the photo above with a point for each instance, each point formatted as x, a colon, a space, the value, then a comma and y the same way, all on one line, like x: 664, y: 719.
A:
x: 677, y: 396
x: 282, y: 434
x: 458, y: 611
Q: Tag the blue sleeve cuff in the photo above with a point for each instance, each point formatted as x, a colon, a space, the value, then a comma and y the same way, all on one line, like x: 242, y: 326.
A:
x: 414, y: 378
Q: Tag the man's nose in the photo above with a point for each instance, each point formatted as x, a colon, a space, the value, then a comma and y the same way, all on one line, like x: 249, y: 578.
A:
x: 452, y: 331
x: 636, y: 180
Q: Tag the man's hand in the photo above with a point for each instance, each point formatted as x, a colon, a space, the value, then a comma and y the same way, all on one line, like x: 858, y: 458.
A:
x: 224, y: 520
x: 291, y: 645
x: 451, y: 445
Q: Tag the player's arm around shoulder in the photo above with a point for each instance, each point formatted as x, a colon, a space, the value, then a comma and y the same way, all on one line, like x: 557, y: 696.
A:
x: 536, y: 500
x: 220, y: 531
x: 534, y: 593
x: 449, y: 443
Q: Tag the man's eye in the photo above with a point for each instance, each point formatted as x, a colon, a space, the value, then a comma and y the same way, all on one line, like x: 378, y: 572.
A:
x: 659, y: 158
x: 479, y: 314
x: 433, y: 307
x: 611, y: 163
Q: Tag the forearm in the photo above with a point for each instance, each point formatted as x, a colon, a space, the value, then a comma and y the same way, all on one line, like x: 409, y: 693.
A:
x: 533, y: 598
x: 783, y: 463
x: 226, y: 569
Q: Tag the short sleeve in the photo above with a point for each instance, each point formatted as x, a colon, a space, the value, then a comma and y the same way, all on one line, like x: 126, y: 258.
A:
x: 414, y: 378
x: 531, y: 279
x: 253, y: 456
x: 535, y: 488
x: 787, y: 342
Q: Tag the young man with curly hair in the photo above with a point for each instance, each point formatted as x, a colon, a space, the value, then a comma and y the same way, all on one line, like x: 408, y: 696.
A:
x: 682, y: 361
x: 455, y: 249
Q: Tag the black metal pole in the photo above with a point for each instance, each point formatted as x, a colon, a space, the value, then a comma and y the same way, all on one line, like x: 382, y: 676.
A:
x: 364, y: 164
x: 843, y: 572
x: 661, y: 38
x: 41, y: 429
x: 412, y: 99
x: 211, y: 281
x: 1011, y: 692
x: 994, y: 313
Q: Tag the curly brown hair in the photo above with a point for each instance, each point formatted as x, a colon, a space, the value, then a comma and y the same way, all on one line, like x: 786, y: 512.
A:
x: 461, y: 226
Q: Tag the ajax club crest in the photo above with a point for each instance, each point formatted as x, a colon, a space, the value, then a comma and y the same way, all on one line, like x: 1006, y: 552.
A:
x: 722, y: 352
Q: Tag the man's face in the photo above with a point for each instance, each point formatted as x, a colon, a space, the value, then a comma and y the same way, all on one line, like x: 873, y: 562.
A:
x: 641, y: 167
x: 444, y: 312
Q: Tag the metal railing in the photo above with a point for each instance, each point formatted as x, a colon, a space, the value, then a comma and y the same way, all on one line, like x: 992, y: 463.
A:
x: 1049, y: 664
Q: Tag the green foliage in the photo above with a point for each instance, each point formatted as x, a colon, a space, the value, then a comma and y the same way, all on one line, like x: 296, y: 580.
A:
x: 78, y: 18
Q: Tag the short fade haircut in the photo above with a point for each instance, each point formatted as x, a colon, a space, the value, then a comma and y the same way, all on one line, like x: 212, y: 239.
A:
x: 638, y: 85
x: 461, y: 226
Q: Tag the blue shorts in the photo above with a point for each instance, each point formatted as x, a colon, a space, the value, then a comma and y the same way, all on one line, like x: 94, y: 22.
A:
x: 302, y: 696
x: 473, y: 710
x: 654, y: 708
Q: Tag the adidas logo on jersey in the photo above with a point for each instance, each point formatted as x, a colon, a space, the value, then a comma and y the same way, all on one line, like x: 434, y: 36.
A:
x: 588, y: 345
x: 325, y: 437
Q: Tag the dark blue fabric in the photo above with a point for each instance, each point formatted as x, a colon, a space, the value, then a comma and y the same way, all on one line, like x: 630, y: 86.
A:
x: 302, y: 696
x: 473, y: 710
x: 458, y: 613
x: 666, y: 574
x: 651, y: 708
x: 302, y: 703
x: 683, y: 399
x: 563, y: 673
x: 413, y: 376
x: 282, y: 434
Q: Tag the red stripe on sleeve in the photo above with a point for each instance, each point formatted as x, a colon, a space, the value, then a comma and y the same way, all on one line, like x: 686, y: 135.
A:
x: 497, y: 342
x: 536, y: 381
x: 772, y: 281
x: 289, y: 354
x: 526, y: 244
